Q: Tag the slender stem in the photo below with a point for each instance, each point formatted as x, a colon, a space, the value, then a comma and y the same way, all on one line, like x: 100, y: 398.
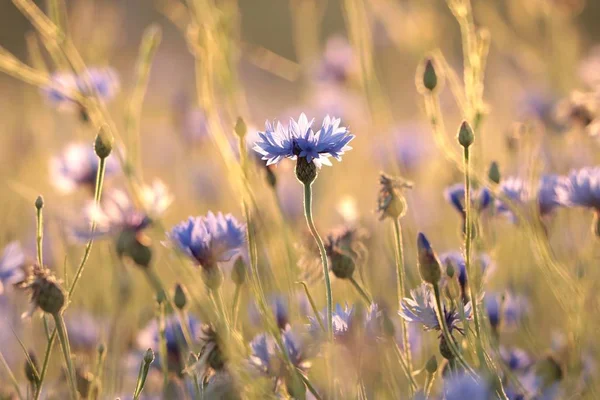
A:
x: 360, y: 290
x: 162, y: 345
x: 64, y: 344
x: 404, y: 364
x: 473, y: 294
x: 96, y: 385
x: 429, y: 384
x: 401, y: 287
x: 313, y: 305
x: 11, y: 376
x: 236, y: 305
x: 446, y: 332
x: 141, y: 380
x: 315, y: 234
x: 40, y: 236
x: 309, y: 385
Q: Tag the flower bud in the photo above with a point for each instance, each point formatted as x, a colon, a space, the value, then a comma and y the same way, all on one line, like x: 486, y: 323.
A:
x: 101, y: 350
x: 388, y: 325
x: 212, y: 276
x: 31, y: 369
x: 432, y: 365
x: 466, y: 137
x: 148, y: 356
x: 51, y: 297
x: 306, y: 172
x: 240, y: 128
x: 102, y: 145
x: 429, y: 265
x: 342, y: 266
x: 430, y: 79
x: 494, y: 173
x: 39, y: 202
x: 445, y: 350
x: 179, y: 297
x: 238, y: 273
x: 140, y: 253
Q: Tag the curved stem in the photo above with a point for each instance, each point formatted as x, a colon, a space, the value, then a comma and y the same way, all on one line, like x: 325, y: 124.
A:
x: 315, y: 234
x: 401, y: 282
x: 404, y: 364
x: 236, y: 305
x: 312, y: 305
x: 360, y: 290
x: 64, y: 344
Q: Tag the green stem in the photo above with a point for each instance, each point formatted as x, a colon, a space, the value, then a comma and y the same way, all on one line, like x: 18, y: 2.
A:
x: 96, y: 385
x: 64, y: 344
x: 473, y: 294
x: 11, y: 376
x: 446, y: 332
x: 313, y: 305
x: 404, y: 364
x: 429, y: 384
x: 40, y: 236
x: 360, y: 290
x: 401, y: 282
x: 162, y: 344
x: 141, y: 380
x: 315, y: 234
x: 236, y: 305
x: 309, y: 385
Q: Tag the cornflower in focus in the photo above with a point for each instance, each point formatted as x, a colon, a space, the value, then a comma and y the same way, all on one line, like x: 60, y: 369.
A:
x: 77, y: 166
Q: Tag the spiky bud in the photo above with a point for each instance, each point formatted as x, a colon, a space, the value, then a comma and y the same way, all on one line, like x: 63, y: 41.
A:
x: 306, y: 172
x: 212, y: 276
x: 430, y: 79
x: 445, y: 350
x: 46, y: 293
x: 342, y: 265
x: 103, y: 145
x: 432, y: 365
x: 39, y: 203
x: 494, y: 172
x: 179, y: 296
x: 466, y: 137
x: 239, y: 272
x: 429, y: 265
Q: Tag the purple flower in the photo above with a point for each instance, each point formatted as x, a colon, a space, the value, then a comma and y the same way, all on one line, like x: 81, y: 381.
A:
x: 208, y: 240
x: 299, y: 140
x: 507, y: 309
x: 84, y: 331
x: 267, y: 357
x: 11, y: 265
x: 77, y: 166
x: 581, y: 189
x: 339, y: 61
x: 455, y: 195
x: 460, y: 387
x: 457, y: 260
x: 64, y: 88
x: 546, y: 194
x: 516, y: 359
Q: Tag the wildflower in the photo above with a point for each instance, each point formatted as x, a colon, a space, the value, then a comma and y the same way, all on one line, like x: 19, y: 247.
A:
x: 506, y: 310
x: 516, y: 359
x: 279, y: 306
x: 420, y: 308
x: 390, y: 202
x: 579, y: 110
x: 517, y: 191
x: 177, y: 347
x: 582, y: 189
x: 408, y: 145
x: 84, y: 331
x: 46, y: 293
x: 480, y: 198
x: 457, y: 261
x: 11, y: 265
x: 65, y: 89
x: 429, y: 264
x: 77, y: 166
x: 463, y: 386
x: 299, y: 141
x: 339, y: 62
x: 266, y: 355
x: 341, y: 322
x: 208, y: 240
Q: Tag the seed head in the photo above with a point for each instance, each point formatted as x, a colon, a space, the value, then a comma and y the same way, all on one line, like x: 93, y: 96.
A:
x: 46, y: 293
x: 391, y: 202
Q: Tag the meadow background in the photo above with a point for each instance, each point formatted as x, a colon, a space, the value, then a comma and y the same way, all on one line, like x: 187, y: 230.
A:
x: 271, y: 62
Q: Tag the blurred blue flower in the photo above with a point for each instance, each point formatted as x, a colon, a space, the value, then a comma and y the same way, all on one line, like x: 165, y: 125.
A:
x: 506, y: 310
x: 208, y: 240
x: 64, y: 88
x: 11, y: 265
x: 463, y: 386
x: 546, y: 194
x: 455, y: 195
x: 581, y: 189
x: 516, y: 359
x: 84, y: 331
x: 299, y: 140
x: 280, y: 308
x: 341, y: 322
x: 408, y: 145
x: 457, y: 260
x: 77, y: 166
x: 267, y: 357
x: 117, y: 212
x: 421, y: 308
x: 339, y: 61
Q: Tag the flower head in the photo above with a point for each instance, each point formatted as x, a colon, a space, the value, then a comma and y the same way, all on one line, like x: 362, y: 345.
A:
x: 546, y: 194
x: 266, y: 354
x: 516, y: 359
x: 457, y: 260
x: 421, y: 308
x: 64, y: 88
x: 208, y: 240
x: 46, y: 293
x: 455, y: 195
x: 390, y: 201
x: 506, y: 310
x: 77, y: 166
x: 339, y: 61
x: 11, y: 265
x: 84, y: 331
x: 298, y: 140
x: 581, y: 189
x: 463, y: 386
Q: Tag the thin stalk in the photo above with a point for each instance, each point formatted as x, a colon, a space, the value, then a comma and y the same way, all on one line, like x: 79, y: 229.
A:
x: 468, y: 264
x: 11, y: 377
x: 446, y: 332
x: 141, y: 380
x: 236, y: 305
x: 96, y: 385
x: 404, y: 364
x: 66, y: 348
x: 309, y: 385
x: 162, y: 345
x: 401, y: 282
x: 40, y: 235
x: 360, y: 290
x: 313, y: 305
x: 429, y: 380
x: 315, y: 234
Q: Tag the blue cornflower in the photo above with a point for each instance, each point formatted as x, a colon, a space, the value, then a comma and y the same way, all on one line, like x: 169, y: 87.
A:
x: 339, y: 61
x: 64, y: 89
x: 455, y: 195
x: 463, y: 386
x: 516, y: 359
x: 421, y: 308
x: 11, y: 265
x: 77, y: 166
x: 208, y: 240
x: 342, y: 318
x: 84, y: 331
x: 299, y: 140
x: 279, y: 306
x: 546, y: 194
x: 266, y: 354
x: 582, y: 189
x: 507, y: 309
